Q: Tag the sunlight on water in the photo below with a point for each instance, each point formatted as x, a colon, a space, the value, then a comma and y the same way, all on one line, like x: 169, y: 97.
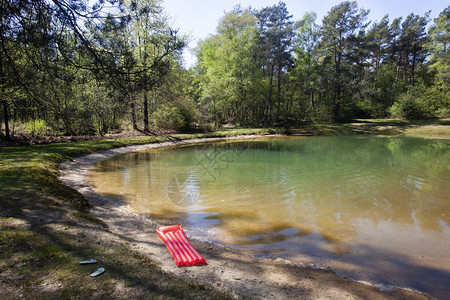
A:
x: 371, y: 208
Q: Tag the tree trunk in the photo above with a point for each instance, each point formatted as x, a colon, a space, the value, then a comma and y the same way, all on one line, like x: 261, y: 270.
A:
x: 405, y: 67
x: 1, y: 124
x: 311, y: 90
x: 214, y: 111
x: 279, y: 89
x: 14, y: 122
x: 133, y: 116
x: 146, y: 129
x: 337, y: 91
x: 269, y: 98
x: 336, y: 110
x: 337, y: 99
x: 288, y: 106
x: 6, y: 116
x: 413, y: 67
x: 377, y: 65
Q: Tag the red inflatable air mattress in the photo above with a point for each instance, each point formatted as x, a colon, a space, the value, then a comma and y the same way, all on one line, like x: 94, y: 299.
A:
x: 179, y: 247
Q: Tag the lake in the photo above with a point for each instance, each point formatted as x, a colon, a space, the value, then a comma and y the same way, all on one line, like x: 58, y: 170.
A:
x: 371, y: 208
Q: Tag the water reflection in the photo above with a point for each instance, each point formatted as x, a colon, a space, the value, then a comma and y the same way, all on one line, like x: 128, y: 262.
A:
x: 326, y: 199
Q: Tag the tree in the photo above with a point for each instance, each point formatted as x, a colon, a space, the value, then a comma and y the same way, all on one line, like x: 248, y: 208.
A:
x: 276, y: 39
x: 152, y: 42
x: 437, y: 95
x: 42, y: 41
x: 439, y: 46
x: 373, y: 88
x: 46, y: 47
x: 83, y: 69
x: 339, y: 31
x: 229, y: 69
x: 306, y: 62
x: 412, y: 41
x: 378, y: 39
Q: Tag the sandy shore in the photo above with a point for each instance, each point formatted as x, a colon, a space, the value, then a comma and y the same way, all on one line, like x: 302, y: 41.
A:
x: 241, y: 275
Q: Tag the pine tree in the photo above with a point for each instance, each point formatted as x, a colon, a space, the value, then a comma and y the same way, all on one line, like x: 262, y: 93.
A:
x: 276, y: 40
x: 340, y: 29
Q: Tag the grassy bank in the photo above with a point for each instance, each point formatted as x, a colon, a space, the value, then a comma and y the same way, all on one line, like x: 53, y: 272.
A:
x: 380, y: 127
x: 383, y: 127
x: 46, y: 229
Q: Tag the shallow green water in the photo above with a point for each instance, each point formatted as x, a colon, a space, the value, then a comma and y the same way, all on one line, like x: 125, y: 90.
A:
x: 371, y: 208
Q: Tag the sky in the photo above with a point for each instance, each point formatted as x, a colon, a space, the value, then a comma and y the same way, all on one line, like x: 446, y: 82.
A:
x: 199, y: 18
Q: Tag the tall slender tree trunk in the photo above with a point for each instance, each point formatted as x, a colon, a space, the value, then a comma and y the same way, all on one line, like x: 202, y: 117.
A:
x: 6, y: 117
x: 146, y: 128
x: 279, y: 89
x: 413, y: 67
x: 2, y: 74
x: 133, y: 115
x: 214, y: 111
x: 311, y: 90
x: 337, y: 102
x: 377, y: 64
x: 337, y: 95
x: 337, y: 88
x: 397, y: 72
x: 269, y: 98
x: 14, y: 122
x: 2, y: 93
x: 405, y: 67
x: 288, y: 106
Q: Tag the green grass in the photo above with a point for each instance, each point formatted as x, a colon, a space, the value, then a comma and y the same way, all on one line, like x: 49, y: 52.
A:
x: 384, y: 127
x: 44, y: 264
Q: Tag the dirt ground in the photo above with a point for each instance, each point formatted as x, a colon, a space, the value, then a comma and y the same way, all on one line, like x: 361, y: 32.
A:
x: 239, y: 274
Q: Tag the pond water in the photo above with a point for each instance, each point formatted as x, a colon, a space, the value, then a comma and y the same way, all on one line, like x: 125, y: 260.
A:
x: 374, y: 209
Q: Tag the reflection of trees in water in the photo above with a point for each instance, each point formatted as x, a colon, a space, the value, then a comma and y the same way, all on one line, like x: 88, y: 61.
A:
x: 343, y: 198
x: 266, y: 189
x: 426, y: 183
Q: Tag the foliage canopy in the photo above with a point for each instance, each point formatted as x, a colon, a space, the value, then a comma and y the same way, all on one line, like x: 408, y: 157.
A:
x: 67, y: 68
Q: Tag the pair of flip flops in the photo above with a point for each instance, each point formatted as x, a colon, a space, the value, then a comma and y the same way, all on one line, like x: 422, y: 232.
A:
x: 97, y: 272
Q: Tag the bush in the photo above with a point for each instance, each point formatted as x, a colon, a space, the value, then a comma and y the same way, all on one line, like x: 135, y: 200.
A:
x: 177, y: 115
x: 172, y: 118
x: 438, y: 100
x: 410, y: 107
x: 36, y: 127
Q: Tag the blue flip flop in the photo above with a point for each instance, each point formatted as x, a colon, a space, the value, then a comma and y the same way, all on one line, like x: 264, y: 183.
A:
x: 86, y: 262
x: 98, y: 272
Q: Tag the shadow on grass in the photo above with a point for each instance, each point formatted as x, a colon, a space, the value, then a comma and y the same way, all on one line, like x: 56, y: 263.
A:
x: 46, y: 231
x: 41, y: 247
x: 401, y: 123
x: 367, y: 127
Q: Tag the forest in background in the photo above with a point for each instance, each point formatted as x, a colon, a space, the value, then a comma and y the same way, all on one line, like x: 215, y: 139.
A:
x: 70, y: 69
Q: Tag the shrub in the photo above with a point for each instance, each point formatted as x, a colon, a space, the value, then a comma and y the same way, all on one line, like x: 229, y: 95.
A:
x: 36, y: 127
x: 177, y: 115
x: 410, y: 107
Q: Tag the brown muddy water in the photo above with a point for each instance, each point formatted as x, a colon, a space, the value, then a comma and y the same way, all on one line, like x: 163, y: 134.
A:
x: 373, y: 209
